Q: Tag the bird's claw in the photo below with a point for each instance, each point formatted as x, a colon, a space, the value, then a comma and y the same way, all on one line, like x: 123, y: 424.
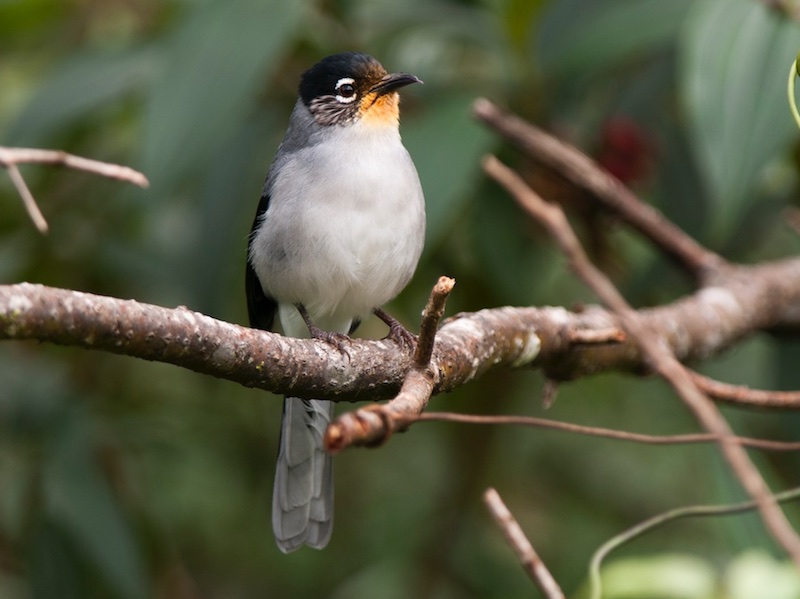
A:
x: 402, y: 336
x: 340, y: 341
x: 397, y: 332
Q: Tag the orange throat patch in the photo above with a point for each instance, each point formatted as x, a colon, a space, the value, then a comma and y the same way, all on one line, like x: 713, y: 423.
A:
x: 381, y: 111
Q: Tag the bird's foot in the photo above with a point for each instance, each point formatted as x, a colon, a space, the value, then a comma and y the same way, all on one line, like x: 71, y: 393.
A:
x: 397, y: 332
x: 340, y: 341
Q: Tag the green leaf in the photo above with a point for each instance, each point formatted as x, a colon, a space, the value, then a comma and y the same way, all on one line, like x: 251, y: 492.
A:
x: 591, y: 37
x: 215, y: 62
x: 77, y: 87
x: 669, y: 576
x: 20, y: 20
x: 446, y: 145
x: 54, y: 567
x: 734, y: 58
x: 79, y: 502
x: 220, y: 238
x: 756, y: 574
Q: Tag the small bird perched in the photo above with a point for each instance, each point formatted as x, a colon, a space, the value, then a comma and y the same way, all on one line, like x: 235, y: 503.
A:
x: 338, y: 232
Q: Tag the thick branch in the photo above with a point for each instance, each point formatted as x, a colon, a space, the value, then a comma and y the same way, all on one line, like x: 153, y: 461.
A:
x: 698, y: 326
x: 200, y: 343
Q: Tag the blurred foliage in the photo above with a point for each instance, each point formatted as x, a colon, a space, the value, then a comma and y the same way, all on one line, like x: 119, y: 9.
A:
x: 125, y: 479
x: 678, y: 576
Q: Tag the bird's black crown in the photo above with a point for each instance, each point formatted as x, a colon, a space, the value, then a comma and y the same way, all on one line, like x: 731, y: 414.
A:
x: 322, y: 79
x: 343, y: 88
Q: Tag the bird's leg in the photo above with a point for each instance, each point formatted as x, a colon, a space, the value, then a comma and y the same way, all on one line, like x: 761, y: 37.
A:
x: 397, y: 332
x: 337, y: 340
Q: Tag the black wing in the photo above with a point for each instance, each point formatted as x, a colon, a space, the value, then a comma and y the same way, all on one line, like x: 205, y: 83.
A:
x: 260, y: 307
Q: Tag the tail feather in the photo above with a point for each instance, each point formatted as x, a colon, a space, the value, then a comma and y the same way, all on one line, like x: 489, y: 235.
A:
x: 302, y: 502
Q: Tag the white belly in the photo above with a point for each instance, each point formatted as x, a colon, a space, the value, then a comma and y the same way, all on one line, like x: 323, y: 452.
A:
x: 344, y: 229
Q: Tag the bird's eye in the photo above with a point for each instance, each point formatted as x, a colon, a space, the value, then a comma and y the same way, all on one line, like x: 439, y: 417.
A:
x: 345, y: 90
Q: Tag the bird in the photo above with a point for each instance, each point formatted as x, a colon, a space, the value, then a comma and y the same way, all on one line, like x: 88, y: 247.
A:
x: 338, y: 233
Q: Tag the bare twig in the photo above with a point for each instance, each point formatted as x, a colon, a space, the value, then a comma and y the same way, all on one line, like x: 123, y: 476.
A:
x: 661, y: 359
x: 431, y: 315
x: 741, y: 395
x: 608, y: 433
x: 531, y: 562
x: 59, y: 158
x: 583, y: 172
x: 372, y: 425
x: 27, y: 198
x: 11, y: 157
x: 664, y: 518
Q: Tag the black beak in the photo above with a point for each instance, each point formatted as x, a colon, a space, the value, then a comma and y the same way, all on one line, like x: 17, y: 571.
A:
x: 393, y: 82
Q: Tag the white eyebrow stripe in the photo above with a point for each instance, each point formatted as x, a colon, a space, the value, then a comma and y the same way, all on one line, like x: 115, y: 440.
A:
x: 344, y: 81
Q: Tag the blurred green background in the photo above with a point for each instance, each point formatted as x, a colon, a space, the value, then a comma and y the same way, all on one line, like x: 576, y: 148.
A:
x: 126, y: 479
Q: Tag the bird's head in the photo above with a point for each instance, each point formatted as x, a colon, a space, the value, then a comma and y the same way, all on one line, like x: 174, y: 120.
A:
x: 344, y: 88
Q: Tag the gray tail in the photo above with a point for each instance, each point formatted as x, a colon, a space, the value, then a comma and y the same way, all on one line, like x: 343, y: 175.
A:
x: 302, y: 499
